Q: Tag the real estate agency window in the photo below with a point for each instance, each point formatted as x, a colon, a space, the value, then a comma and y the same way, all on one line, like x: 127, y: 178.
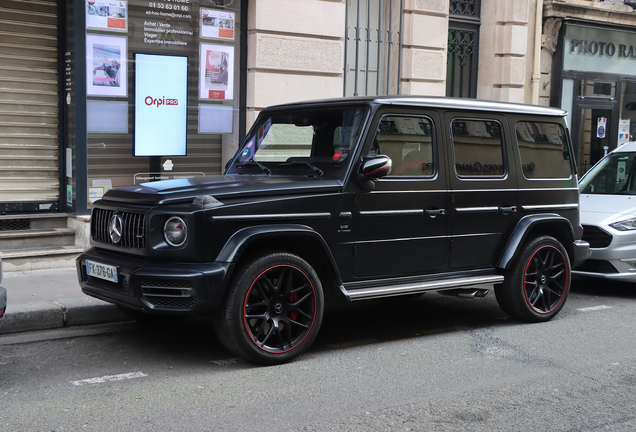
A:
x: 463, y: 45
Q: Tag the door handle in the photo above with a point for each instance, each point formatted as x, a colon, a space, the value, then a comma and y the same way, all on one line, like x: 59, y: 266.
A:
x: 510, y: 209
x: 436, y: 212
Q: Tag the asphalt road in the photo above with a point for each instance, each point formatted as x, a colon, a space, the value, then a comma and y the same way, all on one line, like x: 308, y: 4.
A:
x: 431, y: 363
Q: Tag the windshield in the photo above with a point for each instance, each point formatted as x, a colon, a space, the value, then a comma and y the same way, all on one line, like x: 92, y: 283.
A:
x: 308, y: 142
x: 614, y: 175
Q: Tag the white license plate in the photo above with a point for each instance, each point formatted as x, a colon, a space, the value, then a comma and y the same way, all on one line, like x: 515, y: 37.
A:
x: 101, y: 271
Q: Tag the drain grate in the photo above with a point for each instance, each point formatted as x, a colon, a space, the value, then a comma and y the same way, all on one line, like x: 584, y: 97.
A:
x: 15, y: 224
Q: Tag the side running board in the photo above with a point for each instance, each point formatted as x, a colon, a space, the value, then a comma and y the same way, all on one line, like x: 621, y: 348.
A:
x: 420, y: 287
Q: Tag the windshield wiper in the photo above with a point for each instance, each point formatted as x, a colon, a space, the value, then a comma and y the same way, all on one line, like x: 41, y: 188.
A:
x: 252, y: 162
x: 307, y: 163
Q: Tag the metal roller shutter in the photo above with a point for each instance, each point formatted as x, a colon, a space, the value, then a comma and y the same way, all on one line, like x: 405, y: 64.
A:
x: 29, y: 146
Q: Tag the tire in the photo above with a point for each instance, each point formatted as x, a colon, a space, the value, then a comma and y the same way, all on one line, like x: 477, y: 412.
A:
x: 272, y: 311
x: 537, y: 284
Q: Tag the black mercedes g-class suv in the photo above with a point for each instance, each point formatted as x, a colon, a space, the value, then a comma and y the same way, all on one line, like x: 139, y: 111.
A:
x: 346, y: 200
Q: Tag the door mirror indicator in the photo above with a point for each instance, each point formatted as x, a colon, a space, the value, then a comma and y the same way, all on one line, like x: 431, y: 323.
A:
x: 375, y: 166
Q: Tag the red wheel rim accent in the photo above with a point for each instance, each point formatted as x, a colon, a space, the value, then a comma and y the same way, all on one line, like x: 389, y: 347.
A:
x: 545, y: 279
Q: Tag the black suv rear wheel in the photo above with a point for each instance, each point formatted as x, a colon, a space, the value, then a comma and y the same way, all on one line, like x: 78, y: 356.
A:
x: 538, y: 282
x: 273, y: 309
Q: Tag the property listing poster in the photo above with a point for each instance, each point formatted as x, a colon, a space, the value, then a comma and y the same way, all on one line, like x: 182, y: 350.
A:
x: 106, y: 65
x: 106, y: 15
x: 217, y: 24
x: 216, y: 80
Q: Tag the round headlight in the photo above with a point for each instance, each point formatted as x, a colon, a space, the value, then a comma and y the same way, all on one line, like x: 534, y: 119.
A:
x: 175, y: 231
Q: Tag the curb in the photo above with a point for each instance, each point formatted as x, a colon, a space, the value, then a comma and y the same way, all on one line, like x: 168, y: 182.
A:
x: 48, y: 315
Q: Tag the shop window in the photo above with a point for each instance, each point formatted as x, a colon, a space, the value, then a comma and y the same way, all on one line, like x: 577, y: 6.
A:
x: 408, y: 141
x: 478, y: 148
x: 538, y: 143
x: 162, y: 89
x: 600, y: 89
x: 463, y: 45
x: 373, y: 47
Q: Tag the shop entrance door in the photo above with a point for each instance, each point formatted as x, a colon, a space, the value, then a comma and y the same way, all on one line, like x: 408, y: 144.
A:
x: 595, y: 136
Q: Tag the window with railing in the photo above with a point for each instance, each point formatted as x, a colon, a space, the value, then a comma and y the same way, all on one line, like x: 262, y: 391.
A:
x: 373, y: 47
x: 463, y: 45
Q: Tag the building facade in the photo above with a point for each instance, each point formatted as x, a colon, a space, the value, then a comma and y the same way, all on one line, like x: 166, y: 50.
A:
x: 587, y: 69
x: 98, y: 94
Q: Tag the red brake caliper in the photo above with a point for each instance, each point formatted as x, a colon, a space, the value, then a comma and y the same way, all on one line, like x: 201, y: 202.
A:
x: 293, y: 299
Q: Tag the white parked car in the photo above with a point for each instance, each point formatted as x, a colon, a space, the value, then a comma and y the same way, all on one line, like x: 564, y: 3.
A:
x: 608, y: 216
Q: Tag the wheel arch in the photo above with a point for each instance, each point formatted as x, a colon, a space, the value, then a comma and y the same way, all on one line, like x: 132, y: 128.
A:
x: 533, y: 226
x: 298, y: 239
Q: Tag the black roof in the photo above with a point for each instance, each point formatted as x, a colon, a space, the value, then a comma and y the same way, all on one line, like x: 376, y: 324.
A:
x: 437, y: 102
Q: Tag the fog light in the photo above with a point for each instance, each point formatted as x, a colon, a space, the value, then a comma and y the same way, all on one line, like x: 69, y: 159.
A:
x: 175, y: 231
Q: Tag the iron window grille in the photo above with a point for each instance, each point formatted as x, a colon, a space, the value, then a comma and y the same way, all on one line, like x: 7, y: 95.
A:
x: 463, y: 45
x: 373, y: 48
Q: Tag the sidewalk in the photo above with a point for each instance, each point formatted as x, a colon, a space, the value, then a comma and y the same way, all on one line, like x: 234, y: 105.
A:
x: 50, y: 299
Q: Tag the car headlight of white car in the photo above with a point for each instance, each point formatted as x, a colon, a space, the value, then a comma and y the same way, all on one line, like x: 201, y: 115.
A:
x: 625, y: 225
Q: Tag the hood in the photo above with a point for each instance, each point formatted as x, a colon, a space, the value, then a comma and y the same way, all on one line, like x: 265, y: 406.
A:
x: 220, y: 187
x: 606, y: 209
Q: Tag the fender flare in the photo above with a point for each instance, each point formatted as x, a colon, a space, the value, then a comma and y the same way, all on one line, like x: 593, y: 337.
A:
x: 240, y: 240
x: 520, y: 233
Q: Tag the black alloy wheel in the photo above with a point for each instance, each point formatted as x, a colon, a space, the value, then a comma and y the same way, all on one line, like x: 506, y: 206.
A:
x: 538, y: 282
x: 280, y: 309
x: 273, y: 310
x: 546, y: 279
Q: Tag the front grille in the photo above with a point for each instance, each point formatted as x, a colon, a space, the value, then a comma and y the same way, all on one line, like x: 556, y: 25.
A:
x: 133, y: 228
x: 169, y: 292
x: 596, y: 237
x: 597, y: 266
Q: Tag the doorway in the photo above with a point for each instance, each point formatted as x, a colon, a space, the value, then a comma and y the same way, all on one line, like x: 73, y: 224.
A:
x: 594, y: 137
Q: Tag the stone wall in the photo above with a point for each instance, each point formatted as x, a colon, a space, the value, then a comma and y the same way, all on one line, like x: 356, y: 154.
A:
x: 425, y: 42
x: 295, y: 52
x: 503, y: 50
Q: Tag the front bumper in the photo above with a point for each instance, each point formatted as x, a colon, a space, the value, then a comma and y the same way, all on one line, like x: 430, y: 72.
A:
x: 156, y: 287
x: 616, y: 261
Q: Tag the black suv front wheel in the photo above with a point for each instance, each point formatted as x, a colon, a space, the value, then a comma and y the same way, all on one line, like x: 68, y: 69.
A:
x: 537, y: 284
x: 273, y: 309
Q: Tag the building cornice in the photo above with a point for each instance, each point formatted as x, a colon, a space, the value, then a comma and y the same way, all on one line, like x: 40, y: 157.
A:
x: 605, y: 13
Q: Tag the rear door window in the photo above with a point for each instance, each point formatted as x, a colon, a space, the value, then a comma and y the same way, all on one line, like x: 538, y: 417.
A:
x: 478, y: 148
x: 544, y: 150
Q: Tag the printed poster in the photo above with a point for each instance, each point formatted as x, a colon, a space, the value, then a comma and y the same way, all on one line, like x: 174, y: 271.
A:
x: 623, y: 131
x: 106, y: 65
x: 217, y: 24
x: 216, y: 72
x: 106, y: 15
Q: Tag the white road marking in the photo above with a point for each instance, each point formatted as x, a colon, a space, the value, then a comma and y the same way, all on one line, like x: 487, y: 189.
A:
x: 108, y: 378
x: 594, y: 308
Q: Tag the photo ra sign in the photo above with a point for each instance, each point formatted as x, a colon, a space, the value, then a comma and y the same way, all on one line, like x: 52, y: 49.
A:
x: 601, y: 127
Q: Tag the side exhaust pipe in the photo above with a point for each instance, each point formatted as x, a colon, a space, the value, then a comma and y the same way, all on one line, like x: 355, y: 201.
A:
x: 466, y: 293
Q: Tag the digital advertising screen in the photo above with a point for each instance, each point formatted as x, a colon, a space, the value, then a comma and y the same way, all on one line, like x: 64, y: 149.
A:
x: 160, y: 105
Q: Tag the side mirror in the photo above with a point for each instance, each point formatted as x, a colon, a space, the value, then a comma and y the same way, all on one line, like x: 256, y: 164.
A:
x: 372, y: 168
x: 375, y: 166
